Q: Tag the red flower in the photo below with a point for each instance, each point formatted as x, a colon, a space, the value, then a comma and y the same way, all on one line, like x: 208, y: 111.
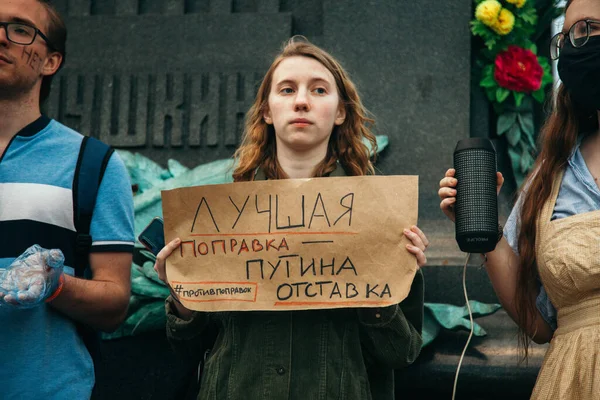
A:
x: 518, y: 69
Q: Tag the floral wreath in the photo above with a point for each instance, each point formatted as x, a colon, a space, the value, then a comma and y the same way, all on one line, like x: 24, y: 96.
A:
x: 509, y: 65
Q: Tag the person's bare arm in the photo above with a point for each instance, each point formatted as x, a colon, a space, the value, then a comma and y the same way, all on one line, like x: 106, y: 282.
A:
x: 101, y: 302
x: 502, y: 265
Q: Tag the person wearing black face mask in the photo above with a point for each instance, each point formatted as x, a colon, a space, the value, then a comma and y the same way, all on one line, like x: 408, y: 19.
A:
x: 546, y: 268
x: 578, y: 54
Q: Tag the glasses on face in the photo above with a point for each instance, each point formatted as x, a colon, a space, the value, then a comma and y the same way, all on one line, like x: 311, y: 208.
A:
x: 23, y: 34
x: 578, y: 35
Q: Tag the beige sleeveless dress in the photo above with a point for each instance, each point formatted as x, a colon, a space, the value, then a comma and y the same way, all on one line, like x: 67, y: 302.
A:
x: 568, y: 256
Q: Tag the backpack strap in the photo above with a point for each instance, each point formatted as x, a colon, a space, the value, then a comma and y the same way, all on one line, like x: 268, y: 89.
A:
x: 91, y: 164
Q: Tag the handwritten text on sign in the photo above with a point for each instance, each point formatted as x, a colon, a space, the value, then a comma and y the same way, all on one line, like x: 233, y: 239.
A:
x: 293, y: 243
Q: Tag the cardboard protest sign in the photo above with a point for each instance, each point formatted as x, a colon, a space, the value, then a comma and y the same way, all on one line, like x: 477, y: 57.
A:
x: 292, y: 243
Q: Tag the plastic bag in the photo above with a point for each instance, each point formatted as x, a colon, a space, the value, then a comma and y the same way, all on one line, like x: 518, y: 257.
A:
x: 447, y: 316
x: 144, y: 172
x: 31, y: 278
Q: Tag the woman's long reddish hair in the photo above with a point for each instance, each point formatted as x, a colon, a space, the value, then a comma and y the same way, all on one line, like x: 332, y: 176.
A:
x: 558, y: 138
x: 258, y: 149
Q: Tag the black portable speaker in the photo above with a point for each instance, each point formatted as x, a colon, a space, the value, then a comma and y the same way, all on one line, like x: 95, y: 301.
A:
x: 476, y: 206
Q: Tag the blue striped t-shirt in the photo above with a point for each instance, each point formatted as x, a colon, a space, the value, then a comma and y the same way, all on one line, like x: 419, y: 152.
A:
x: 41, y: 353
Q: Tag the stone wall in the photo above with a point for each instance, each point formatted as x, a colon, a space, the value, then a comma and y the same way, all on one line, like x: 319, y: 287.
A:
x: 173, y: 78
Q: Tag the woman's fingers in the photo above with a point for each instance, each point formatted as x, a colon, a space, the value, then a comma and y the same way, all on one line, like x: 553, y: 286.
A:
x: 419, y: 243
x: 499, y: 182
x: 168, y: 249
x: 417, y: 237
x: 447, y: 206
x: 448, y: 181
x: 161, y: 258
x: 446, y: 192
x: 419, y: 254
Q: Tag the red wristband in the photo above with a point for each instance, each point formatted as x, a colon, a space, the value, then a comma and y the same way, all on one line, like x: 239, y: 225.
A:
x: 61, y: 283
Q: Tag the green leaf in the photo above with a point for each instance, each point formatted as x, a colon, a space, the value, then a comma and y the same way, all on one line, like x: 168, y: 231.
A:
x: 530, y: 19
x: 488, y: 82
x: 528, y: 44
x: 515, y: 159
x: 514, y: 135
x: 539, y: 95
x: 530, y: 142
x: 529, y: 16
x: 488, y: 70
x: 518, y: 98
x: 533, y: 48
x: 526, y: 122
x: 491, y: 94
x: 526, y: 162
x: 491, y: 42
x: 519, y: 178
x: 544, y: 63
x: 546, y: 79
x: 505, y: 121
x: 501, y: 94
x: 478, y: 28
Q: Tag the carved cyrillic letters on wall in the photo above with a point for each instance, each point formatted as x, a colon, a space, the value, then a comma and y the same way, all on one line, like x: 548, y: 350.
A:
x: 157, y: 99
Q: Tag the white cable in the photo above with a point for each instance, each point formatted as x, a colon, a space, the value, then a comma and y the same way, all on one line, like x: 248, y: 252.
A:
x: 470, y: 318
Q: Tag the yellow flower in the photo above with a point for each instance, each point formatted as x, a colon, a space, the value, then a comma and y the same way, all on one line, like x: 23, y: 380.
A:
x: 505, y: 23
x: 487, y: 12
x: 518, y: 3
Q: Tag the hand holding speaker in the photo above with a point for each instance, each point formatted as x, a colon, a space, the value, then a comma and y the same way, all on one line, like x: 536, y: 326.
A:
x: 469, y: 195
x: 447, y: 191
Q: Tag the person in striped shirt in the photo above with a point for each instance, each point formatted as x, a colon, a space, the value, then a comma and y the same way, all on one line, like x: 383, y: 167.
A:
x: 41, y: 351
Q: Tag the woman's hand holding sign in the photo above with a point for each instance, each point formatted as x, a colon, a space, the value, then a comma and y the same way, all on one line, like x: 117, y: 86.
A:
x: 160, y: 266
x: 161, y: 258
x: 419, y: 244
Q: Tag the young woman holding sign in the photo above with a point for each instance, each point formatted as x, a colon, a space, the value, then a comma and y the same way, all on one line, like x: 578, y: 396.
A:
x: 307, y: 121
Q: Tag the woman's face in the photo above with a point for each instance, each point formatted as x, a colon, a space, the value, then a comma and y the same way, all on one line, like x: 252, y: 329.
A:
x: 303, y: 105
x: 580, y: 10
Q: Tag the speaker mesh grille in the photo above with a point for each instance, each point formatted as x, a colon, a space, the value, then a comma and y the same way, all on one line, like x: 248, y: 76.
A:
x: 476, y: 201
